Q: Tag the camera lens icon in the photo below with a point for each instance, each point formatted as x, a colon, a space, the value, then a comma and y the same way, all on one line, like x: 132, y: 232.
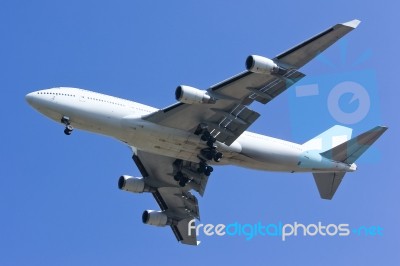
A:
x: 358, y: 92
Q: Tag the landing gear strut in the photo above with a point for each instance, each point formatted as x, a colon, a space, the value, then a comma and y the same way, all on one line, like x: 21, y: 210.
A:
x: 68, y: 128
x: 178, y: 176
x: 211, y: 152
x: 183, y: 181
x: 182, y: 171
x: 204, y: 168
x: 208, y: 153
x: 181, y: 178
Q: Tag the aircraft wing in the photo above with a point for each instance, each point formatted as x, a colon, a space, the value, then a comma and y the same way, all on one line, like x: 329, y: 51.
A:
x: 230, y: 115
x: 177, y: 203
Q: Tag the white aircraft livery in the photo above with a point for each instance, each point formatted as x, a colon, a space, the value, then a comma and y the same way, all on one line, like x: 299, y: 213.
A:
x: 174, y: 148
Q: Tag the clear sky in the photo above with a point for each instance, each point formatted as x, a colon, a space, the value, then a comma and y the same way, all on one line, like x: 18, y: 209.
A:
x: 59, y: 201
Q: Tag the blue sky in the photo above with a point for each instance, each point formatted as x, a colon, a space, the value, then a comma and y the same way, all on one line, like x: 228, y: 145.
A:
x: 59, y: 201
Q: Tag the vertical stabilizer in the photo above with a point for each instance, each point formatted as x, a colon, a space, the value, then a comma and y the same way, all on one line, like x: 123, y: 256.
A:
x: 349, y: 151
x: 328, y: 139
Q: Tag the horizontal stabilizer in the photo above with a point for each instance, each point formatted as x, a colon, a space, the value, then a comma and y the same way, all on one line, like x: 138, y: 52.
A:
x: 328, y: 183
x: 349, y: 151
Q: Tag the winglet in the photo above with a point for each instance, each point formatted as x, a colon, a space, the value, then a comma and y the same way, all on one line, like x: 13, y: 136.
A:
x: 352, y: 24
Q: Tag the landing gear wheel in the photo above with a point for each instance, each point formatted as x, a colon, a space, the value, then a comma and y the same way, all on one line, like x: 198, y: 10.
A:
x: 202, y: 167
x: 208, y: 171
x: 208, y: 153
x: 218, y: 156
x: 68, y: 128
x: 178, y: 176
x: 67, y: 131
x: 210, y: 142
x: 205, y: 136
x: 183, y: 181
x: 209, y: 156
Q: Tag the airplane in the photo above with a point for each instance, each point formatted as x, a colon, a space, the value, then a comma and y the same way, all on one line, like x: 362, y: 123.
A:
x: 175, y: 148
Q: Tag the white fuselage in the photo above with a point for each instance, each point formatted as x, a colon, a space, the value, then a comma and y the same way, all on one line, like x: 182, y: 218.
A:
x: 122, y: 119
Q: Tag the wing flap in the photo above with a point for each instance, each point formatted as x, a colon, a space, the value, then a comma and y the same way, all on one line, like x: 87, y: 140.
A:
x: 178, y: 203
x: 227, y: 126
x: 182, y: 207
x: 182, y: 234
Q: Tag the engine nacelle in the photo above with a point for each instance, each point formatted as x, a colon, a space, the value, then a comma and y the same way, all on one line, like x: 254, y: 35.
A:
x: 156, y: 218
x: 132, y: 184
x: 190, y: 95
x: 262, y: 65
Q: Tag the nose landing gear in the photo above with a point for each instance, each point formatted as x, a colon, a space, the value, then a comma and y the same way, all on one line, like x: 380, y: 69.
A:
x: 68, y: 128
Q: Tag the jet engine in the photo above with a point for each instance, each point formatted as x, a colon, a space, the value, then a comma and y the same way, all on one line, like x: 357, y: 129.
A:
x: 132, y: 184
x: 261, y: 65
x: 156, y: 218
x: 190, y: 95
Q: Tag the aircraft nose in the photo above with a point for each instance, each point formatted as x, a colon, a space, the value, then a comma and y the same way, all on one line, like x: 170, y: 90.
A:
x: 30, y: 97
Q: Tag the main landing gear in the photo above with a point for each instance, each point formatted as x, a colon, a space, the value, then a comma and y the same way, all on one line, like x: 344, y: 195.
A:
x: 68, y: 128
x: 206, y: 154
x: 211, y: 152
x: 204, y: 168
x: 179, y: 176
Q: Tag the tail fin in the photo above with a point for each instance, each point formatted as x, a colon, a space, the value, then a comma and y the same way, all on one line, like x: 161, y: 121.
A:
x: 329, y: 139
x: 347, y: 152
